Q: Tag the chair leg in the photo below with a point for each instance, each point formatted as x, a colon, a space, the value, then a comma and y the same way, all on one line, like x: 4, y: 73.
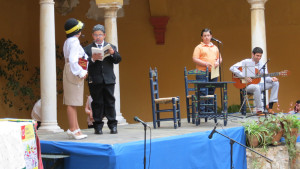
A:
x: 154, y: 115
x: 196, y: 110
x: 157, y: 115
x: 193, y: 111
x: 178, y: 113
x: 174, y: 113
x: 198, y: 120
x: 243, y: 108
x: 188, y: 110
x: 215, y: 105
x: 193, y: 106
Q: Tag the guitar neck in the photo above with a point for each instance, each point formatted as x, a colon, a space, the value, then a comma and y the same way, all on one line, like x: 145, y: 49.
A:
x: 268, y: 75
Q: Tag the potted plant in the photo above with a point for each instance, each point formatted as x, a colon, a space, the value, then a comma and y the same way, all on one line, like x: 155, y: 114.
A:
x: 273, y: 124
x: 291, y: 125
x: 254, y: 133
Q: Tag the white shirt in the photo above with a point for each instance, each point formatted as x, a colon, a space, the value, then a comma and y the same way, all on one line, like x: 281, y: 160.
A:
x: 99, y: 44
x: 36, y: 111
x: 234, y: 69
x: 72, y: 52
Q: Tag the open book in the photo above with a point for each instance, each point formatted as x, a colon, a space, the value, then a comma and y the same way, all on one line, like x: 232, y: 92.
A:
x: 104, y: 51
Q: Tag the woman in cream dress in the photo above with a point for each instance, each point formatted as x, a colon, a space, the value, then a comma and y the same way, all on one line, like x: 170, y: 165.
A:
x: 73, y: 75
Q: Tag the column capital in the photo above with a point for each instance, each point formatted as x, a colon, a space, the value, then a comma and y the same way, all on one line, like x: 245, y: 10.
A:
x: 257, y: 4
x: 113, y: 5
x: 46, y: 1
x: 110, y: 9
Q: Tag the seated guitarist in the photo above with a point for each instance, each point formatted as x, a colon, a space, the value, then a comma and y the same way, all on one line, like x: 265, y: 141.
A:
x: 271, y: 82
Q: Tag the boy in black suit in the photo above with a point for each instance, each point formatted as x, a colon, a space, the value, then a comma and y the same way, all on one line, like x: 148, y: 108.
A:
x: 101, y: 80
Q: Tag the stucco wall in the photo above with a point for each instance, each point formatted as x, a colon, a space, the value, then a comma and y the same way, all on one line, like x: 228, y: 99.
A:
x: 229, y: 21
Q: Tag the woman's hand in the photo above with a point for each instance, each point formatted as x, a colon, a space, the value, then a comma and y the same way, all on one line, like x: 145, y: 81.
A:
x: 85, y: 76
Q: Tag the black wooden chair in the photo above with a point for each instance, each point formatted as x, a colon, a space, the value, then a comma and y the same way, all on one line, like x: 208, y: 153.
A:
x: 156, y: 101
x: 190, y: 99
x: 205, y: 104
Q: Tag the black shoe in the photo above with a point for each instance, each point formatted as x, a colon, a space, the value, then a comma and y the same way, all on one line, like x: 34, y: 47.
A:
x: 98, y: 127
x: 98, y: 131
x: 113, y: 130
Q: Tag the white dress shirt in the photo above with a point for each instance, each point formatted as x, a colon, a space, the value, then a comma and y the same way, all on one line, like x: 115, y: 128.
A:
x: 234, y: 69
x: 72, y: 52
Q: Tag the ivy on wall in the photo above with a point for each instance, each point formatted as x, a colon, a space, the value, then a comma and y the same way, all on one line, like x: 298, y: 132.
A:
x: 16, y: 88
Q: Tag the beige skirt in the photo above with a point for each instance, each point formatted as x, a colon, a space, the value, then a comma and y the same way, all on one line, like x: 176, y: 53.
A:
x: 73, y: 88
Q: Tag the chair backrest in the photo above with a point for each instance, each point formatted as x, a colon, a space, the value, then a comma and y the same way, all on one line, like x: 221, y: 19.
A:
x: 190, y: 78
x: 153, y: 84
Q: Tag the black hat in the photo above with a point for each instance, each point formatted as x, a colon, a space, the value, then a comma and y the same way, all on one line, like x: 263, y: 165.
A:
x: 73, y: 27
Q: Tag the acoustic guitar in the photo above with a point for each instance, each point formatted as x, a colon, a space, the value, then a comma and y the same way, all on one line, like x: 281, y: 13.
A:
x: 241, y: 83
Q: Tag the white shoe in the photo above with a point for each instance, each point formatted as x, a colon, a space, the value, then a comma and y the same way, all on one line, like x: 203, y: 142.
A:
x: 84, y: 135
x: 73, y: 135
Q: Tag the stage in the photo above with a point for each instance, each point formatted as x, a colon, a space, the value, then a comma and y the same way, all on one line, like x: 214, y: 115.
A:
x: 182, y: 148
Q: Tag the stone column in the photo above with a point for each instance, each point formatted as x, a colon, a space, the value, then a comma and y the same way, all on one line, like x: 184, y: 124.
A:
x: 110, y: 24
x: 258, y: 29
x: 47, y: 65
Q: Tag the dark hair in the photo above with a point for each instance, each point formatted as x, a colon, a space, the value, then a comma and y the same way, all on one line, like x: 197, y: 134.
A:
x: 257, y: 50
x: 295, y: 108
x: 99, y: 28
x: 206, y: 30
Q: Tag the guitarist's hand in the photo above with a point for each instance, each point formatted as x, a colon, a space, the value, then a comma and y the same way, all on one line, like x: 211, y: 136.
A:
x: 274, y: 79
x: 248, y: 79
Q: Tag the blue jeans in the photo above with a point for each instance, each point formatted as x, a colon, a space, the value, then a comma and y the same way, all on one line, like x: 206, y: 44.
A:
x: 206, y: 91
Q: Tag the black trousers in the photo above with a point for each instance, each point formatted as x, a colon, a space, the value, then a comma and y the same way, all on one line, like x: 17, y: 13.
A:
x: 103, y: 104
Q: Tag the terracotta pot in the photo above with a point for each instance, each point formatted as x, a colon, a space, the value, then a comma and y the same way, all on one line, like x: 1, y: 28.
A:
x: 253, y: 141
x: 294, y: 132
x: 277, y: 137
x: 293, y: 164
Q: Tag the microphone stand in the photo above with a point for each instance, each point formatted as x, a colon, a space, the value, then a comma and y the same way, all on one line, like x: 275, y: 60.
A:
x: 232, y: 141
x: 145, y: 129
x: 220, y: 72
x: 264, y: 77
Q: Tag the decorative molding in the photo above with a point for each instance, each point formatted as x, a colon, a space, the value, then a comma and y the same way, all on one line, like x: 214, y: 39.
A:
x: 65, y: 6
x: 96, y: 12
x: 159, y: 24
